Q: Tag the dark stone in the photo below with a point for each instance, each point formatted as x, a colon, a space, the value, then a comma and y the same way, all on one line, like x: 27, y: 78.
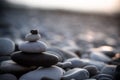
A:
x: 10, y: 66
x: 34, y: 31
x: 3, y: 58
x: 117, y: 73
x: 43, y: 59
x: 16, y: 47
x: 7, y: 77
x: 115, y: 61
x: 92, y: 70
x: 45, y: 78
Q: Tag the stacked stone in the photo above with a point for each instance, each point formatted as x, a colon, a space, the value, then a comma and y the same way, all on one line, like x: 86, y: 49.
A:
x: 32, y: 52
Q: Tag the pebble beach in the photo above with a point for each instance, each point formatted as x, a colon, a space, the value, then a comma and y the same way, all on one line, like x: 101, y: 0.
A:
x: 58, y: 45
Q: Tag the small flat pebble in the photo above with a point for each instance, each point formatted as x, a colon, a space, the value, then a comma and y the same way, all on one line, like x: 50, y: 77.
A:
x: 33, y: 47
x: 43, y: 59
x: 7, y: 77
x: 10, y: 66
x: 7, y: 46
x: 76, y: 73
x: 52, y: 73
x: 108, y: 69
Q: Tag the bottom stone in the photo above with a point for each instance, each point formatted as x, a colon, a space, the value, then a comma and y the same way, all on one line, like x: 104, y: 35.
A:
x: 43, y: 59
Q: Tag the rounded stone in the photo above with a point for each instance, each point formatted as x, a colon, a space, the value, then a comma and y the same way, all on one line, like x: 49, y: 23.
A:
x: 98, y: 64
x: 92, y: 70
x: 10, y: 66
x: 76, y: 62
x: 76, y: 73
x: 7, y: 46
x: 98, y: 56
x: 103, y: 76
x: 107, y: 50
x: 43, y: 59
x: 33, y: 47
x: 7, y: 77
x: 62, y: 54
x: 51, y: 73
x: 108, y: 69
x: 64, y: 64
x: 32, y: 37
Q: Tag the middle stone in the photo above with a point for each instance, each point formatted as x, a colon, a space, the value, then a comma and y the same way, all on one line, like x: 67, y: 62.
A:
x: 33, y: 47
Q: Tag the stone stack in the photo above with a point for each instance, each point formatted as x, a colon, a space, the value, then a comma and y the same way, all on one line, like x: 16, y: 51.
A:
x: 32, y: 52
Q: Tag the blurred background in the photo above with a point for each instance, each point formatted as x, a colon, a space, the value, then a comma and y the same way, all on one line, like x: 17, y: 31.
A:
x: 85, y: 23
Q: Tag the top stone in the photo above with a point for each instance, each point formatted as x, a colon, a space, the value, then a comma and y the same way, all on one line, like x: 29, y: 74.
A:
x: 33, y: 36
x: 34, y: 31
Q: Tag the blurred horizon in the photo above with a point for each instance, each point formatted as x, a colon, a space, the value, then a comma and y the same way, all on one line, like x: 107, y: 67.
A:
x: 58, y: 25
x: 85, y: 6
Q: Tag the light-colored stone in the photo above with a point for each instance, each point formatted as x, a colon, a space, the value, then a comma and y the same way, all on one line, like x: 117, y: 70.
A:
x: 97, y: 56
x: 54, y: 73
x: 77, y: 74
x: 77, y: 62
x: 98, y: 64
x: 33, y: 47
x: 7, y: 46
